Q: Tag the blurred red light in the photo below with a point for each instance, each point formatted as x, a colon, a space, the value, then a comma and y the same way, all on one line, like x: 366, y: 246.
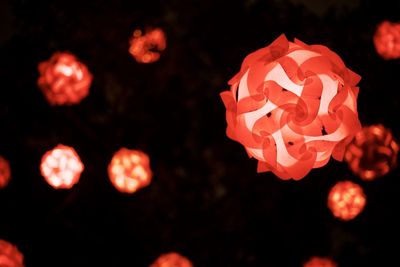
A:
x: 61, y: 167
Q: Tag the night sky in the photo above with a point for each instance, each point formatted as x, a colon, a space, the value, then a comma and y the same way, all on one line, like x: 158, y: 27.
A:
x: 206, y: 201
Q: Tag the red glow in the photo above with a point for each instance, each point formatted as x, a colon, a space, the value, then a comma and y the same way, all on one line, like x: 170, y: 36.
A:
x: 387, y: 40
x: 5, y: 172
x: 320, y: 262
x: 129, y: 170
x: 61, y: 167
x: 146, y: 48
x: 172, y: 259
x: 373, y: 152
x: 64, y: 80
x: 346, y: 200
x: 292, y: 106
x: 10, y: 256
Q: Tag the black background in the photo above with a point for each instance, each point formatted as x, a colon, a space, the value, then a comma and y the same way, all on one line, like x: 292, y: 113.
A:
x: 206, y: 200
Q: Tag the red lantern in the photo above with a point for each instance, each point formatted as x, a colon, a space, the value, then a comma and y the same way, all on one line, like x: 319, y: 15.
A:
x: 10, y: 256
x: 172, y: 259
x: 64, y: 80
x: 61, y: 167
x: 387, y: 40
x: 320, y: 262
x: 292, y: 106
x: 372, y: 153
x: 5, y: 172
x: 346, y: 200
x: 146, y: 48
x: 129, y: 170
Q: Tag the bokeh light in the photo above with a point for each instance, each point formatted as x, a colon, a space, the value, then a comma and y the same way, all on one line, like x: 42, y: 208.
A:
x: 320, y: 262
x: 172, y: 259
x: 387, y: 40
x: 64, y: 80
x: 129, y: 170
x: 5, y: 172
x: 372, y: 153
x: 61, y: 167
x: 292, y: 106
x: 147, y: 47
x: 346, y: 200
x: 10, y: 256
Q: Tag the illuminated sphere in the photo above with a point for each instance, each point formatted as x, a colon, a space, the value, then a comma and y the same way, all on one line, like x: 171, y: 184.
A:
x: 64, y: 80
x: 346, y: 200
x: 387, y: 40
x: 171, y: 259
x: 320, y: 262
x: 5, y: 172
x: 10, y: 256
x: 146, y: 47
x: 61, y: 167
x: 129, y: 170
x: 292, y: 106
x: 372, y: 153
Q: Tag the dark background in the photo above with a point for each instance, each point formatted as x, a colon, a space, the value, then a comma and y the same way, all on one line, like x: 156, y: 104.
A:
x: 206, y: 200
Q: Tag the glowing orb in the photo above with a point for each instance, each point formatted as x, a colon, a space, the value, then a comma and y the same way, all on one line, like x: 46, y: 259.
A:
x: 146, y: 48
x: 172, y: 259
x: 10, y: 256
x: 129, y: 170
x: 5, y: 172
x: 387, y: 40
x: 292, y: 106
x: 320, y: 262
x: 372, y: 153
x: 346, y: 200
x: 64, y: 80
x: 61, y: 167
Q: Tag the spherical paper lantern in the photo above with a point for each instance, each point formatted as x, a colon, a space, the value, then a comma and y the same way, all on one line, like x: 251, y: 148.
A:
x: 5, y: 172
x: 146, y: 48
x: 129, y: 170
x: 61, y: 167
x: 387, y: 40
x: 172, y: 259
x: 346, y: 200
x: 64, y: 80
x: 292, y: 106
x: 320, y: 262
x: 10, y: 256
x: 372, y: 153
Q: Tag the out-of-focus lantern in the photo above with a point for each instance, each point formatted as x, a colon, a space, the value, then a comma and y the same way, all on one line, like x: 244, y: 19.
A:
x: 61, y: 167
x: 5, y: 172
x: 10, y: 256
x: 320, y: 262
x: 129, y: 170
x: 292, y: 106
x: 372, y: 153
x: 346, y: 200
x: 387, y: 40
x: 64, y: 80
x: 146, y: 48
x: 172, y: 259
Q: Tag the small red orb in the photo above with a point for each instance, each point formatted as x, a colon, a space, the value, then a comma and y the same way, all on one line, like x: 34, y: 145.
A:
x: 129, y: 170
x: 172, y: 259
x: 61, y: 167
x: 372, y: 153
x: 64, y: 80
x: 10, y: 256
x: 387, y: 40
x: 5, y: 172
x: 146, y: 48
x: 346, y: 200
x: 320, y: 262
